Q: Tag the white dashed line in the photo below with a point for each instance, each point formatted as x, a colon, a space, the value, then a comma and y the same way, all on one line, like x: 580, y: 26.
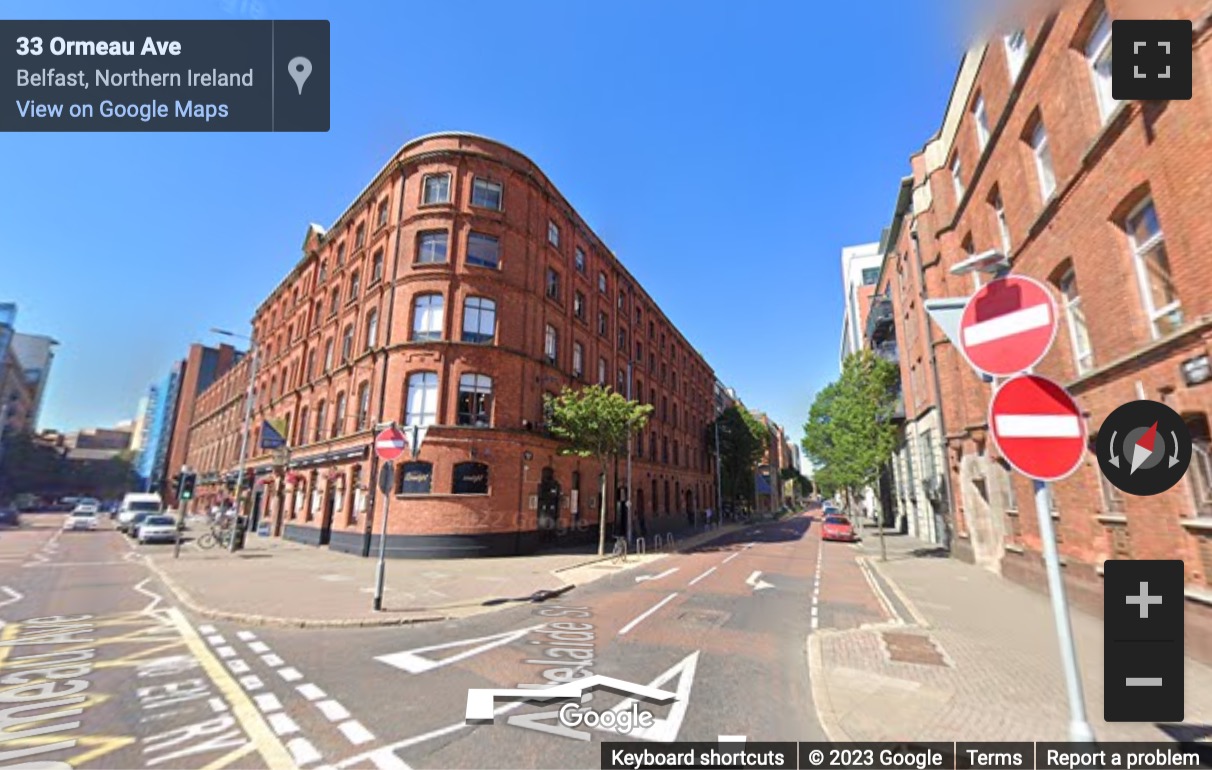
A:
x: 226, y: 652
x: 217, y: 705
x: 271, y: 660
x: 733, y: 556
x: 290, y: 674
x: 268, y: 702
x: 251, y: 682
x: 245, y: 636
x: 204, y: 630
x: 646, y: 613
x: 302, y: 751
x: 705, y: 574
x: 258, y: 647
x: 282, y: 724
x: 238, y: 666
x: 355, y: 733
x: 310, y: 691
x: 333, y: 710
x: 216, y: 640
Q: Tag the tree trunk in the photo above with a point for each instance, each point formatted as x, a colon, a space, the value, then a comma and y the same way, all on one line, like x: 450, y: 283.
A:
x: 602, y: 512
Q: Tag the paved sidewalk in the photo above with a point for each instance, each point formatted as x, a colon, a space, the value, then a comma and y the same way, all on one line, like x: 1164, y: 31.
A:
x: 277, y: 582
x: 966, y: 655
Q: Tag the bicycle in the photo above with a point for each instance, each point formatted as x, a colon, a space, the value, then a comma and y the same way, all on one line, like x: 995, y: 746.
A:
x: 620, y: 550
x: 220, y: 534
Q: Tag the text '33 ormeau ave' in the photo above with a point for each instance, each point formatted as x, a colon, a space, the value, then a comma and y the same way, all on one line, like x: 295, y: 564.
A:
x: 164, y: 75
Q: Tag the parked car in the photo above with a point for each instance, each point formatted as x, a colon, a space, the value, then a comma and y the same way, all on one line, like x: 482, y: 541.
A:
x: 9, y: 516
x: 81, y: 518
x: 157, y: 529
x: 838, y: 528
x: 136, y: 521
x: 91, y: 508
x: 136, y: 503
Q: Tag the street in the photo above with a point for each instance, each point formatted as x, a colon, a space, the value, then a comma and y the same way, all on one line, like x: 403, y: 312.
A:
x: 724, y: 627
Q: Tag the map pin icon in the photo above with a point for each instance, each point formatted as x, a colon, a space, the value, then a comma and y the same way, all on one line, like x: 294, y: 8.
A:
x: 299, y: 68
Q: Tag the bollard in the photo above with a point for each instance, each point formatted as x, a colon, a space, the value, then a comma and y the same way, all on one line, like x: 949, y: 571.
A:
x: 639, y: 546
x: 657, y: 543
x: 671, y: 544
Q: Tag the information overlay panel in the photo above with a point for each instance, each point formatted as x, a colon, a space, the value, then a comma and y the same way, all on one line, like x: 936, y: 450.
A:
x: 164, y: 76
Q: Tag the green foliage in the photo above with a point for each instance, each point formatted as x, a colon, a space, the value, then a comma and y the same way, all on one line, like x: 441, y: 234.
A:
x: 743, y: 441
x: 595, y: 421
x: 28, y: 467
x: 849, y: 434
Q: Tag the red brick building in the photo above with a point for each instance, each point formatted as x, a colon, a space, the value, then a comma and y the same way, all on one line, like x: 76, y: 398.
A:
x: 1108, y: 203
x: 457, y: 290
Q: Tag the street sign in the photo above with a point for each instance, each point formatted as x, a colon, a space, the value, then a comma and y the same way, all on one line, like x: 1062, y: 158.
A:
x: 272, y: 434
x: 1008, y: 326
x: 390, y: 444
x: 1038, y: 427
x: 385, y: 478
x: 416, y: 437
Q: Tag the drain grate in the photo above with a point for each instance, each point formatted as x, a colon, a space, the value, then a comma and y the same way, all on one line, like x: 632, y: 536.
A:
x: 913, y: 648
x: 704, y: 617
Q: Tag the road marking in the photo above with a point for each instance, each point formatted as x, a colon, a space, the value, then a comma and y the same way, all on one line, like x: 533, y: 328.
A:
x: 666, y: 573
x: 664, y: 730
x: 733, y: 556
x: 204, y: 630
x: 355, y: 732
x: 226, y: 652
x: 310, y: 691
x: 273, y: 661
x: 413, y: 663
x: 302, y: 751
x: 13, y: 596
x: 155, y: 597
x: 647, y: 612
x: 885, y: 603
x: 333, y: 710
x: 251, y: 682
x: 242, y: 708
x: 216, y: 640
x: 238, y: 666
x: 217, y: 705
x: 258, y: 647
x: 246, y: 636
x: 268, y: 702
x: 283, y: 724
x: 232, y: 757
x: 756, y: 582
x: 700, y: 577
x: 290, y: 674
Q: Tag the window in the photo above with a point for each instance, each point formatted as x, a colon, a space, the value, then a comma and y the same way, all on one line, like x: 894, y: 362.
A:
x: 622, y: 297
x: 355, y: 285
x: 431, y: 247
x: 1153, y: 270
x: 578, y: 360
x: 957, y: 177
x: 338, y: 417
x: 483, y: 250
x: 578, y: 305
x: 340, y: 253
x: 602, y: 282
x: 383, y: 212
x: 1098, y: 56
x: 1043, y: 161
x: 1016, y: 52
x: 372, y: 328
x: 301, y: 438
x: 416, y: 478
x: 479, y: 320
x: 621, y: 382
x: 360, y: 237
x: 321, y: 416
x: 486, y: 194
x: 639, y: 351
x: 436, y: 189
x: 422, y: 405
x: 1079, y: 333
x: 622, y: 340
x: 1003, y: 227
x: 347, y: 342
x: 553, y: 284
x: 602, y: 323
x: 323, y: 272
x: 475, y: 400
x: 376, y: 267
x: 601, y: 371
x: 580, y: 260
x: 551, y: 344
x: 311, y: 366
x: 315, y: 319
x: 470, y: 479
x: 427, y: 318
x: 980, y: 120
x: 334, y: 302
x: 870, y: 276
x: 553, y: 234
x: 328, y: 355
x: 363, y: 406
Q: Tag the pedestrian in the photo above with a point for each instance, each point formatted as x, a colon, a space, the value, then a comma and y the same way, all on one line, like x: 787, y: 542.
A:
x: 709, y: 518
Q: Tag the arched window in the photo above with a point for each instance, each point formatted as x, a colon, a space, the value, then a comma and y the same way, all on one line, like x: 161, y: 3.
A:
x: 372, y: 328
x: 470, y: 478
x: 363, y: 406
x: 479, y: 320
x: 475, y: 400
x: 321, y: 416
x: 334, y: 302
x: 427, y: 317
x: 355, y: 285
x: 421, y: 407
x: 338, y: 417
x: 328, y: 355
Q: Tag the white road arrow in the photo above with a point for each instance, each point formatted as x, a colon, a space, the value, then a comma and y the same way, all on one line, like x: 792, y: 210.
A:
x: 666, y: 573
x: 414, y: 663
x: 758, y: 584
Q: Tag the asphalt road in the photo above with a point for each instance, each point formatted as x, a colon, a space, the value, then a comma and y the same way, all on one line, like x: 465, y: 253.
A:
x: 722, y: 628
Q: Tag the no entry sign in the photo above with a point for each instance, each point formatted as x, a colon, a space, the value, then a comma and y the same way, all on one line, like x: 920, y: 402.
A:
x: 390, y: 443
x: 1038, y: 427
x: 1008, y: 326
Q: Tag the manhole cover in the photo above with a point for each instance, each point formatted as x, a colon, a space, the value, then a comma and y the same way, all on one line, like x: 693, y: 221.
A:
x: 913, y: 648
x: 704, y: 617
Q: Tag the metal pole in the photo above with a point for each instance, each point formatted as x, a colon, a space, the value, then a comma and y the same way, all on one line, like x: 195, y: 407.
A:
x: 381, y: 566
x: 1079, y: 728
x: 630, y: 442
x: 248, y: 405
x: 719, y: 478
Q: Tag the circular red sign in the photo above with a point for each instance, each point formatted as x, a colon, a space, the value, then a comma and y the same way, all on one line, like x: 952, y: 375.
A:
x: 390, y: 443
x: 1037, y: 427
x: 1008, y: 326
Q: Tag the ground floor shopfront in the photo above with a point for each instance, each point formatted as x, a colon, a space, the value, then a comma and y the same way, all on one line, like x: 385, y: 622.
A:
x: 470, y: 492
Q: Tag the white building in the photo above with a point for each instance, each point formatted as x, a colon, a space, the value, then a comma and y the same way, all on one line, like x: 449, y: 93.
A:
x: 860, y: 268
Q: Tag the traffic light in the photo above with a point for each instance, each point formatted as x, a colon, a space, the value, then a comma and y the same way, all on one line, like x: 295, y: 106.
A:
x: 177, y: 479
x: 187, y: 486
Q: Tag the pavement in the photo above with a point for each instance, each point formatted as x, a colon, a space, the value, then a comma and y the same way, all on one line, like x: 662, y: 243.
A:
x: 962, y: 654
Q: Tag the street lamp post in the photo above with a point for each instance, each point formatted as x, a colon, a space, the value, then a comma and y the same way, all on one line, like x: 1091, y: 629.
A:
x: 248, y: 405
x: 630, y: 442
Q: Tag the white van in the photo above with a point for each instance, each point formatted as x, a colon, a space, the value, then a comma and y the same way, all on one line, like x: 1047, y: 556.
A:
x: 136, y: 503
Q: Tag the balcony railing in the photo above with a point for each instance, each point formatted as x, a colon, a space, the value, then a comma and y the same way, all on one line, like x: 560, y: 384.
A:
x: 879, y: 320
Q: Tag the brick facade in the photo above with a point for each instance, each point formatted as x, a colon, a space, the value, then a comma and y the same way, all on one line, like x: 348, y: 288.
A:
x: 365, y: 290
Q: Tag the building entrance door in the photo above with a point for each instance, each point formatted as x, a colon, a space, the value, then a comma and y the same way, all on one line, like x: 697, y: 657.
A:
x: 549, y: 503
x: 326, y: 520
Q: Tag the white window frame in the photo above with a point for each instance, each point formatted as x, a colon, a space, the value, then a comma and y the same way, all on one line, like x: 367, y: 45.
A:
x: 485, y: 237
x: 578, y: 359
x: 602, y: 282
x: 957, y: 177
x: 427, y: 309
x: 1045, y: 169
x: 475, y: 310
x: 372, y: 328
x: 1139, y: 252
x: 551, y: 344
x: 421, y: 406
x: 553, y: 233
x: 601, y: 371
x: 1098, y: 58
x: 1016, y: 57
x: 425, y: 200
x: 477, y: 385
x: 980, y: 121
x: 580, y: 260
x: 1082, y: 359
x: 422, y: 239
x: 496, y: 187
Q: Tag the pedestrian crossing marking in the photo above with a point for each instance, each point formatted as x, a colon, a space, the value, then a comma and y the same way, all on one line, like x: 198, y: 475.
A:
x: 100, y: 744
x: 414, y: 663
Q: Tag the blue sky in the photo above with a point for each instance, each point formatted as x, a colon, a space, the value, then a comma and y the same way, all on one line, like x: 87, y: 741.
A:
x: 725, y: 151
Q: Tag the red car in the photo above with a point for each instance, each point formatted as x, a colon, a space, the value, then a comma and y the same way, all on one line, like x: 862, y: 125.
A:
x: 838, y: 528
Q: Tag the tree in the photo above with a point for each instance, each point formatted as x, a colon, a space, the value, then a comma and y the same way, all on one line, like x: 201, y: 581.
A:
x: 596, y: 422
x: 29, y: 467
x: 849, y: 434
x: 742, y: 442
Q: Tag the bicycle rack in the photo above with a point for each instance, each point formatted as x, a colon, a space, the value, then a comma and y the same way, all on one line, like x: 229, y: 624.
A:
x: 639, y: 546
x: 671, y: 544
x: 657, y: 543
